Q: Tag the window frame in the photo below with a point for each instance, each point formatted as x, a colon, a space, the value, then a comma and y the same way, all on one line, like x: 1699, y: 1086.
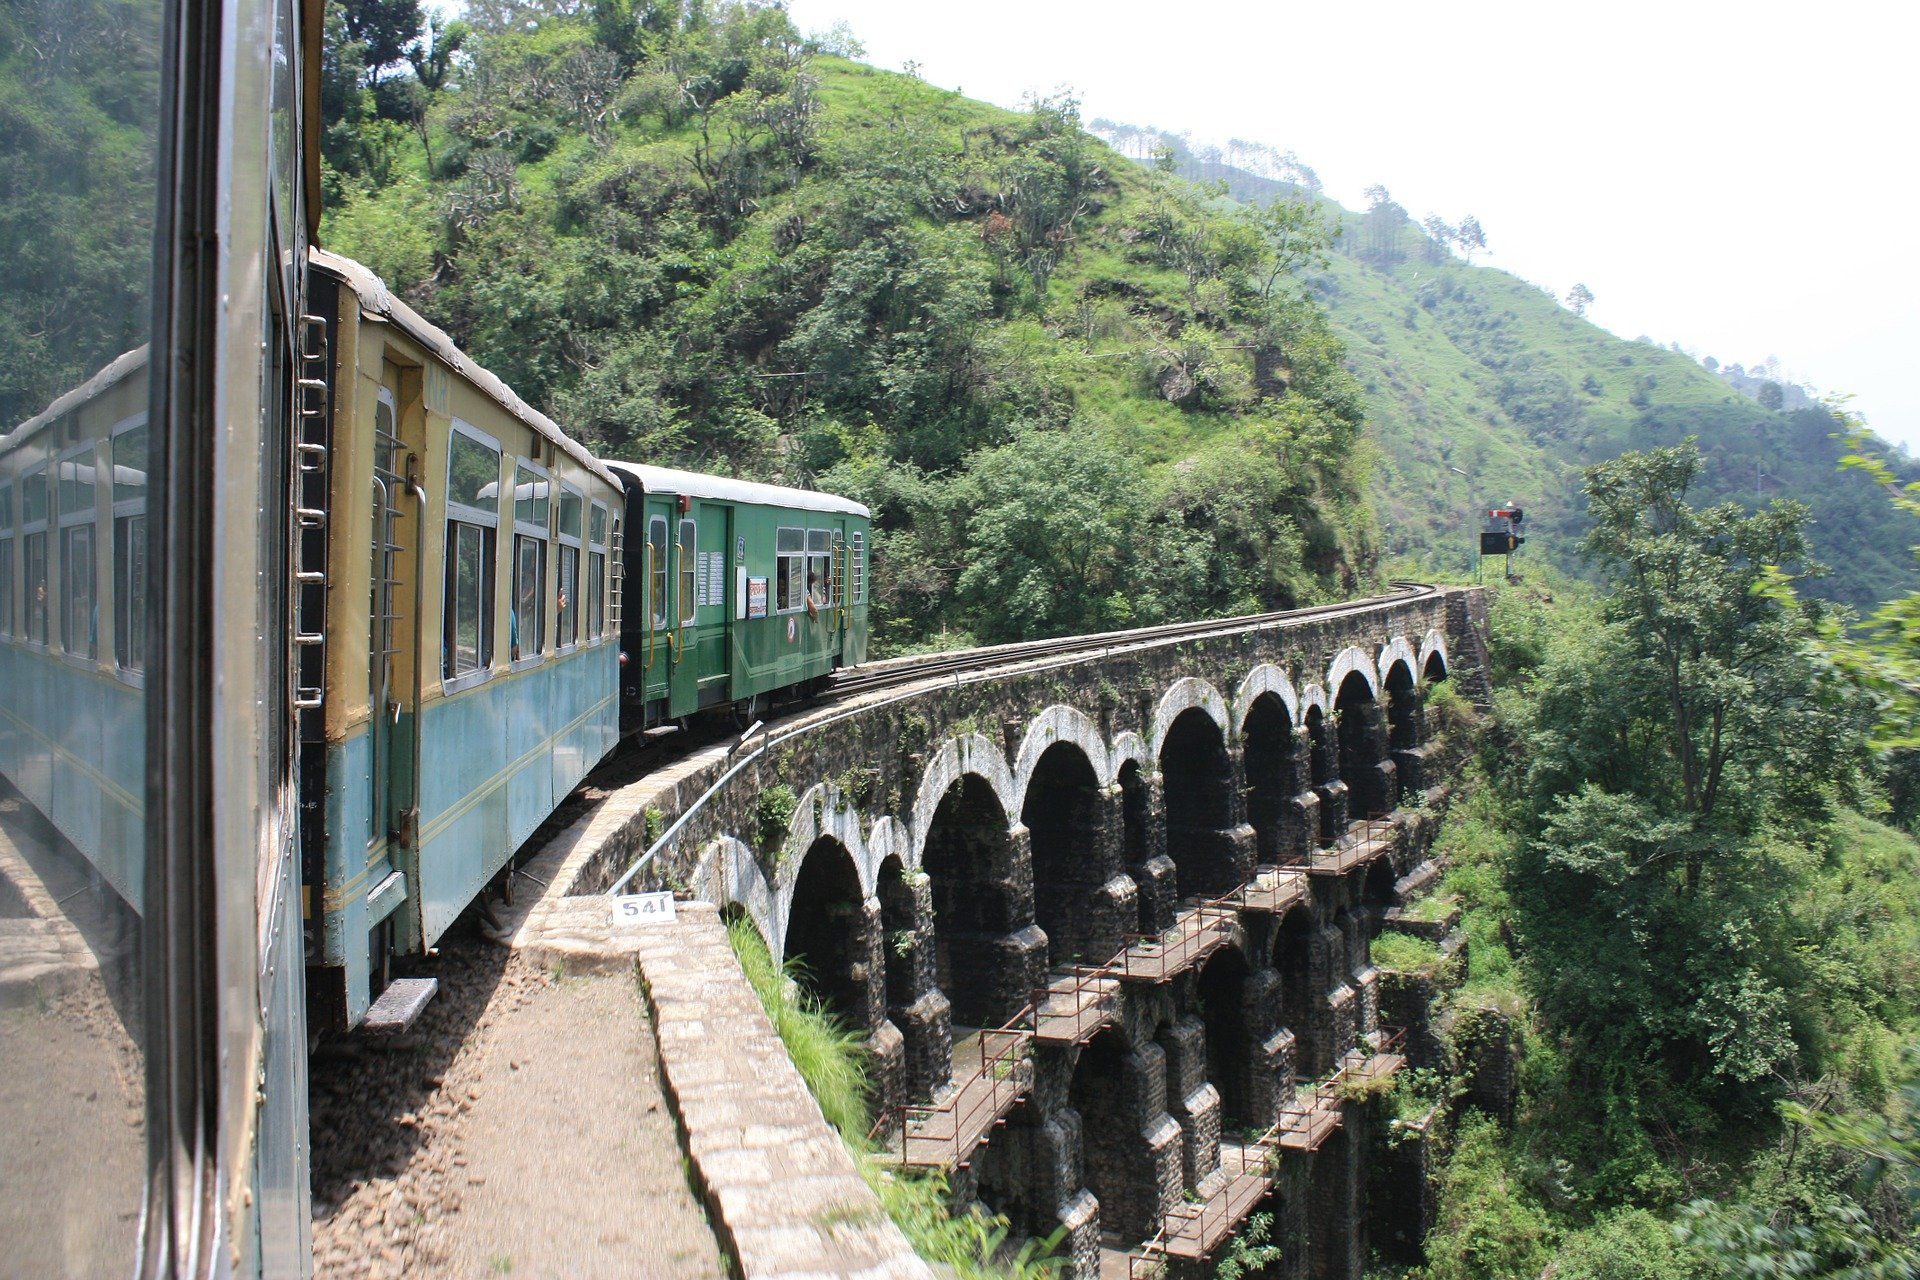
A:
x: 487, y: 524
x: 87, y: 515
x: 824, y: 559
x: 539, y: 533
x: 29, y: 531
x: 596, y: 622
x: 687, y: 579
x: 7, y: 541
x: 857, y: 566
x: 129, y: 613
x: 568, y: 638
x: 795, y: 593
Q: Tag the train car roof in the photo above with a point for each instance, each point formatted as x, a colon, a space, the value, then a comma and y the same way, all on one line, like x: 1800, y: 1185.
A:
x: 379, y: 304
x: 723, y: 489
x: 119, y: 368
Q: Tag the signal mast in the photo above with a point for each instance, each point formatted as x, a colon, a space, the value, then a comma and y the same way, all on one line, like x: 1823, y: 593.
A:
x: 1500, y: 536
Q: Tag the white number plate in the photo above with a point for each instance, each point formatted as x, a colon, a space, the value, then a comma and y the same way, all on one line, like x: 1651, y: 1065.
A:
x: 642, y: 908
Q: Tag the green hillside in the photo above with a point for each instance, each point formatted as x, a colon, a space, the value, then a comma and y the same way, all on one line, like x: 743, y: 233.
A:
x: 1077, y: 393
x: 1472, y: 368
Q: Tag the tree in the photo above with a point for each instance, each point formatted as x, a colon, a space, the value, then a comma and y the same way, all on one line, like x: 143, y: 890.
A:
x: 1771, y: 396
x: 1579, y: 298
x: 1440, y: 235
x: 1470, y: 236
x: 384, y: 27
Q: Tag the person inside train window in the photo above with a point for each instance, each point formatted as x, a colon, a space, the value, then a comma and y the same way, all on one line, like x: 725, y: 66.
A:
x: 814, y: 600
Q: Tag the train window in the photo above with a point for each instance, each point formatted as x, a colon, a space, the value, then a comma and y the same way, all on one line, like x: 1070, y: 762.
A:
x: 530, y: 497
x: 473, y: 519
x: 80, y: 615
x: 130, y: 546
x: 790, y: 570
x: 689, y: 547
x: 820, y: 583
x: 528, y: 637
x: 657, y: 550
x: 857, y: 563
x: 6, y: 559
x: 567, y: 621
x: 33, y: 556
x: 597, y: 573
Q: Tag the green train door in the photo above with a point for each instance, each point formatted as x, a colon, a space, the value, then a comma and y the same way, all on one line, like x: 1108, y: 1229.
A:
x: 712, y: 595
x: 656, y: 653
x: 683, y: 671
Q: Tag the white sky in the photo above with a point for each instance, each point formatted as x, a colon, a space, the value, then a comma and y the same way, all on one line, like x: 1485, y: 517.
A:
x: 1734, y: 177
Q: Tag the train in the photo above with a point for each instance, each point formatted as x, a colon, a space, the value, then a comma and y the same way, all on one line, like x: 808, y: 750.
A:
x: 307, y: 621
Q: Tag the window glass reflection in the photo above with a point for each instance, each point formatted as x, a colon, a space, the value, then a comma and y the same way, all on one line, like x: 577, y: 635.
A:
x: 79, y: 113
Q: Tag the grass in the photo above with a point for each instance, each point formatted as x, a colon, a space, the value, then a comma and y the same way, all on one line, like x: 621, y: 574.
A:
x: 974, y: 1245
x: 1404, y: 953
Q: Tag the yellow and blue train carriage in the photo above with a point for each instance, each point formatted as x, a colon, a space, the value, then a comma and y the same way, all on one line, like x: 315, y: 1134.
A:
x: 471, y: 618
x: 72, y: 617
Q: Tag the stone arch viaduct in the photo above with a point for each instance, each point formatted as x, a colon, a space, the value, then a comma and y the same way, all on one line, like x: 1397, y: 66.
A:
x: 1104, y: 921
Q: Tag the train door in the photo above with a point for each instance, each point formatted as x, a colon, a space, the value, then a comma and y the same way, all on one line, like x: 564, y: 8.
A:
x: 383, y: 699
x: 712, y: 598
x: 683, y: 675
x: 656, y: 555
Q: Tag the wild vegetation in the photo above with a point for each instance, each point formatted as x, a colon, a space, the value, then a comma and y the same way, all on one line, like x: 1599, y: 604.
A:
x: 1687, y: 877
x: 1482, y: 388
x: 1076, y: 393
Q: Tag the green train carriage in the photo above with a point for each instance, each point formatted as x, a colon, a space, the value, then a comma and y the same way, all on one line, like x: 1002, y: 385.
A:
x: 735, y: 593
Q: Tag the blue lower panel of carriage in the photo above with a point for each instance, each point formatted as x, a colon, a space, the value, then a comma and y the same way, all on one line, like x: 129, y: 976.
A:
x: 73, y: 742
x: 495, y: 760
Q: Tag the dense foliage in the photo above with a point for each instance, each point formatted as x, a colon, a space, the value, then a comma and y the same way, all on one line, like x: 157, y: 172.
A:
x: 1077, y: 392
x: 1672, y: 882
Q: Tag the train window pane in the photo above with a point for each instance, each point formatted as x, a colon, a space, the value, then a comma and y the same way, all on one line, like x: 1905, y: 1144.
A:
x: 820, y: 567
x: 529, y: 497
x: 596, y: 594
x: 528, y: 635
x: 35, y: 549
x: 657, y: 552
x: 689, y: 547
x: 33, y: 498
x: 83, y: 166
x: 597, y: 526
x: 79, y: 619
x: 789, y: 569
x: 130, y: 465
x: 130, y: 591
x: 569, y: 611
x: 473, y: 476
x: 570, y: 505
x: 469, y: 606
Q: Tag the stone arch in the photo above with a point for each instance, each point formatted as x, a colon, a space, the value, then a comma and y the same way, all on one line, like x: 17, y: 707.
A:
x: 1405, y: 725
x: 1349, y: 661
x: 1271, y: 763
x: 1082, y: 900
x: 832, y: 934
x: 988, y: 954
x: 1188, y: 694
x: 1293, y: 957
x: 1264, y: 680
x: 1362, y: 735
x: 1143, y: 847
x: 1434, y: 645
x: 1223, y: 999
x: 972, y: 755
x: 1198, y: 796
x: 1396, y: 649
x: 1382, y: 888
x: 1057, y: 724
x: 823, y: 810
x: 1323, y: 767
x: 743, y: 884
x: 1109, y: 1090
x: 1127, y: 746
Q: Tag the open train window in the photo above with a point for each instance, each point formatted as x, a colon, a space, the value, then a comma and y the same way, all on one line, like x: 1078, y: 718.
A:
x: 6, y: 559
x: 531, y: 513
x: 79, y: 570
x: 473, y: 522
x: 790, y: 570
x: 567, y: 616
x: 657, y: 550
x: 597, y: 573
x: 820, y: 584
x: 130, y: 546
x: 33, y: 556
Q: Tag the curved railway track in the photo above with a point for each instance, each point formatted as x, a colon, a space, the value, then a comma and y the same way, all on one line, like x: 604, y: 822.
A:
x: 897, y: 671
